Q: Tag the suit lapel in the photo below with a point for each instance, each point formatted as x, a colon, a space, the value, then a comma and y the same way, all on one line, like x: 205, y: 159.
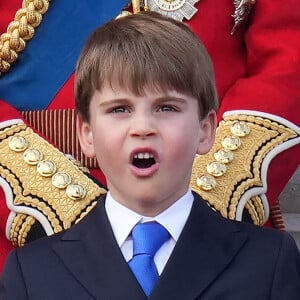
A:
x: 90, y: 252
x: 205, y: 248
x: 207, y: 245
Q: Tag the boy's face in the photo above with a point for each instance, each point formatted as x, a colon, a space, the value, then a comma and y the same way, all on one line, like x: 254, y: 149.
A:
x: 145, y: 145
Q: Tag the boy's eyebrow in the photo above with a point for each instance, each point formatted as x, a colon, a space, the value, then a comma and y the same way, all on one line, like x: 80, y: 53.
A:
x: 122, y: 101
x: 117, y: 101
x: 171, y: 98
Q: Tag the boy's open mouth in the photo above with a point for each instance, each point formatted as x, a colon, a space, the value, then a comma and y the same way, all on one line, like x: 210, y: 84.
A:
x: 143, y: 160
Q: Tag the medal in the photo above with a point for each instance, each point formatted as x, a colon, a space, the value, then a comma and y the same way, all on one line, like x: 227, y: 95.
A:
x: 176, y: 9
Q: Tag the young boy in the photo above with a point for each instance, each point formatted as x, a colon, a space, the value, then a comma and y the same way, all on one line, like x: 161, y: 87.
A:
x: 145, y: 108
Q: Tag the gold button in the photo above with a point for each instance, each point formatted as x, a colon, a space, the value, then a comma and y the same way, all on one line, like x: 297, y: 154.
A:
x: 46, y: 168
x: 240, y: 128
x: 32, y: 156
x: 216, y: 169
x: 75, y: 191
x: 61, y: 180
x: 224, y: 156
x: 206, y: 182
x: 17, y: 143
x: 231, y: 142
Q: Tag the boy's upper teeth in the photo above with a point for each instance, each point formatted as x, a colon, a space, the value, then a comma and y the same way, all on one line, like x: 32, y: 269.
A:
x: 143, y: 155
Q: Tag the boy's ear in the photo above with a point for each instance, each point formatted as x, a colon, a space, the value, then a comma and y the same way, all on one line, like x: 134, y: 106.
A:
x: 85, y: 137
x: 208, y: 133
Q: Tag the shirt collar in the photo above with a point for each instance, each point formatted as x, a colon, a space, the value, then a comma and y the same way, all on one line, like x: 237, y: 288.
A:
x: 122, y: 219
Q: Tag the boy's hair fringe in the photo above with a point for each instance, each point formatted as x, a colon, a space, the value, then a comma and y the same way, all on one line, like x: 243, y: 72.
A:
x: 145, y: 50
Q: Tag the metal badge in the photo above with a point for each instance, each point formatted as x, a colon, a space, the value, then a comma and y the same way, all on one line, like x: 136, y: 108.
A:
x: 176, y: 9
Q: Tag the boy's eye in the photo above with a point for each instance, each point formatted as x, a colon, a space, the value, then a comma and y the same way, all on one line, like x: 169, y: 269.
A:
x: 167, y: 108
x: 119, y: 109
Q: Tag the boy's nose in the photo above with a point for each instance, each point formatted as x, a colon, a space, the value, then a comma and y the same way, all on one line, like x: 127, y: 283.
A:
x: 142, y: 126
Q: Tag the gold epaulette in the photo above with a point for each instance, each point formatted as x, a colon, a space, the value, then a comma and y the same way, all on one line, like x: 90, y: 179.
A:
x: 232, y: 176
x: 45, y: 191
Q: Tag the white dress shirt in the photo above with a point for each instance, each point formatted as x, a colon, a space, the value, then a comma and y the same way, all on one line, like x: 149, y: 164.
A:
x: 122, y: 220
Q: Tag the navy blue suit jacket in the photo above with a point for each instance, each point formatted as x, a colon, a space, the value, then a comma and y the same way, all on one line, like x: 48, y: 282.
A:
x: 214, y: 258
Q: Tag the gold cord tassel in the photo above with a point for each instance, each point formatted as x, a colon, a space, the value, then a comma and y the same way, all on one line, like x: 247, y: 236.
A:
x: 136, y: 6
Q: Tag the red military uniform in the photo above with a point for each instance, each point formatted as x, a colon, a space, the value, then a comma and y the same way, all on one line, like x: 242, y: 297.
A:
x: 257, y: 68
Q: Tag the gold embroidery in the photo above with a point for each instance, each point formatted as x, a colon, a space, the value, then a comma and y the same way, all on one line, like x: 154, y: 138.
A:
x: 15, y: 228
x: 252, y: 211
x: 24, y: 230
x: 244, y: 171
x: 255, y: 208
x: 37, y: 192
x: 259, y: 209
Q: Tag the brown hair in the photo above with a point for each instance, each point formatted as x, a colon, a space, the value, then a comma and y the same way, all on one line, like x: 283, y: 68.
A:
x: 145, y: 50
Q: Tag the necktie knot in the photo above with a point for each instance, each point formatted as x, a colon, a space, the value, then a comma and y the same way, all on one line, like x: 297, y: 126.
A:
x: 147, y: 239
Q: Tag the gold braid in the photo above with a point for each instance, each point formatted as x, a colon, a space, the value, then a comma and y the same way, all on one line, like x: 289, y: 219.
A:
x: 20, y: 30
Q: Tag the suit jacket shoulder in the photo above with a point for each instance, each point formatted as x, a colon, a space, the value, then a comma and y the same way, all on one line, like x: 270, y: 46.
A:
x: 83, y: 262
x: 216, y: 258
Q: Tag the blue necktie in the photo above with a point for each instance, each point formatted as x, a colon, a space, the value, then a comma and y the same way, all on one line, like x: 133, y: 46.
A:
x: 147, y: 239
